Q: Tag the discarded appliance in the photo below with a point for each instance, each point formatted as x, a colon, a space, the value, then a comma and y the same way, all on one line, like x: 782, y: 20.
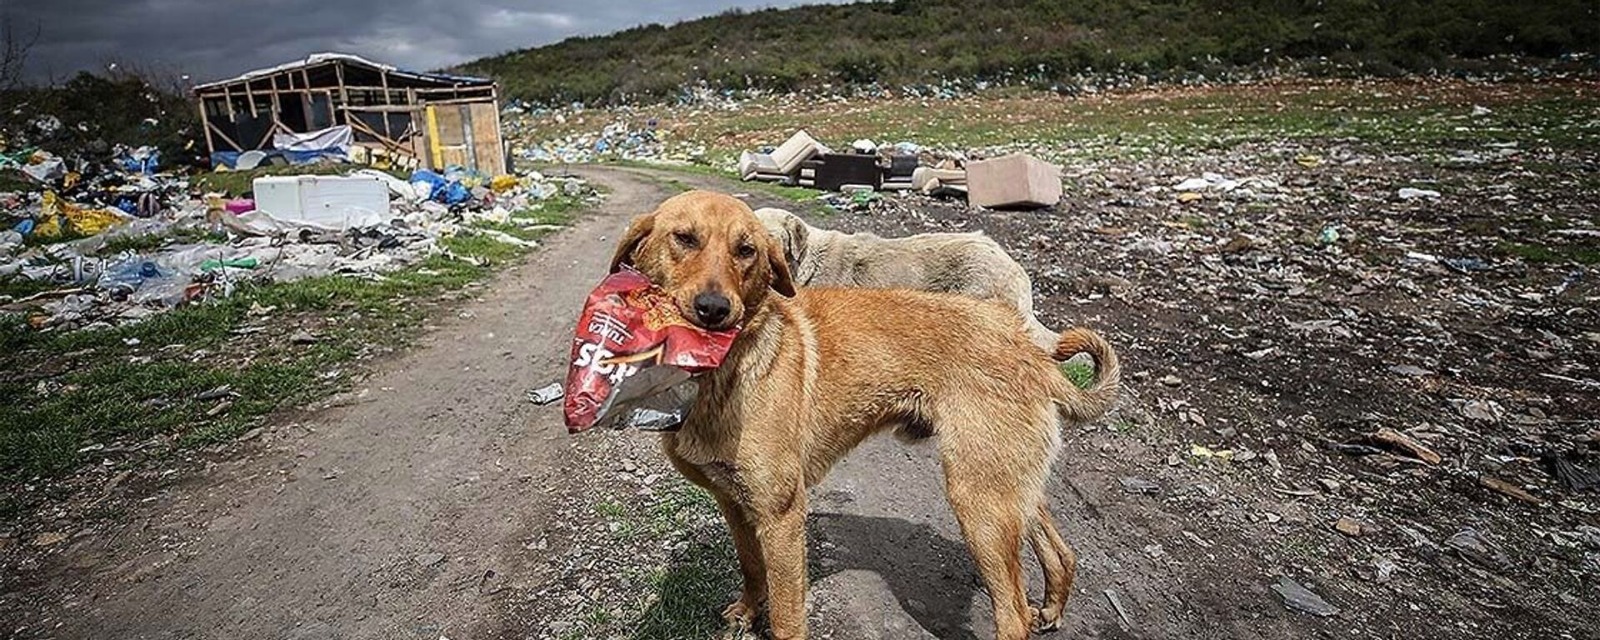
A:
x: 1016, y: 180
x: 337, y: 202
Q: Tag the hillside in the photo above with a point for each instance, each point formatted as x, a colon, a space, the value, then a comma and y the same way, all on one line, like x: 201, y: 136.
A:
x: 1037, y: 42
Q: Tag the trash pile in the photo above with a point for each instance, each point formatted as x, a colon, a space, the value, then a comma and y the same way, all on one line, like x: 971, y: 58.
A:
x: 100, y: 264
x: 1389, y: 363
x: 618, y: 140
x: 1015, y: 180
x: 80, y: 196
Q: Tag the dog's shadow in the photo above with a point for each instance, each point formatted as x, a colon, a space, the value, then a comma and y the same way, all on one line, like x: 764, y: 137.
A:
x: 932, y: 577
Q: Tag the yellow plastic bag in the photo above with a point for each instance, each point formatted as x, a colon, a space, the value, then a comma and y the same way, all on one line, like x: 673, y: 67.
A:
x: 503, y: 183
x: 57, y: 216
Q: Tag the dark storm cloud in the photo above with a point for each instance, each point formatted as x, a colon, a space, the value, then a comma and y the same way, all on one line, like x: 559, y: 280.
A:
x: 211, y: 39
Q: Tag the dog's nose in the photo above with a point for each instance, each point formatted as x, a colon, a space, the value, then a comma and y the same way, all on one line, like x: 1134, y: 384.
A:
x: 711, y: 308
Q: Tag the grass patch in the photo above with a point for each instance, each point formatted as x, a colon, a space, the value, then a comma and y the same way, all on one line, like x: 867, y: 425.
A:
x: 69, y: 390
x: 1081, y: 374
x: 689, y: 594
x: 679, y: 598
x: 22, y: 288
x: 796, y: 194
x: 1545, y: 254
x: 152, y: 241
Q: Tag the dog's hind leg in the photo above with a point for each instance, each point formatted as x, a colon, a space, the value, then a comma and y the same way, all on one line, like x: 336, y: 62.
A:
x: 989, y: 511
x: 1060, y: 567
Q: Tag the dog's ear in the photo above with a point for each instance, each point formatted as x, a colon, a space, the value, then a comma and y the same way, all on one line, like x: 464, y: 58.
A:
x: 782, y: 281
x: 799, y: 233
x: 637, y: 231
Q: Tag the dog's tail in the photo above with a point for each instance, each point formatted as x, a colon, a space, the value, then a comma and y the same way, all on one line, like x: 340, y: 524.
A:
x: 1086, y: 405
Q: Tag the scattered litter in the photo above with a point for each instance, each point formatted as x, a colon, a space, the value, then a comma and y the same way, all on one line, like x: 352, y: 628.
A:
x: 1384, y: 570
x: 1301, y: 599
x: 1195, y: 538
x: 1505, y: 488
x: 1116, y: 604
x: 546, y: 394
x: 1480, y: 410
x: 1572, y: 476
x: 1410, y: 371
x: 1405, y: 444
x: 1140, y: 486
x: 191, y: 249
x: 1205, y: 453
x: 1409, y: 193
x: 1472, y: 546
x: 48, y: 538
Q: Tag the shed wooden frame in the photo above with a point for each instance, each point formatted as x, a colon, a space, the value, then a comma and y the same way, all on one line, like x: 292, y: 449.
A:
x: 412, y: 119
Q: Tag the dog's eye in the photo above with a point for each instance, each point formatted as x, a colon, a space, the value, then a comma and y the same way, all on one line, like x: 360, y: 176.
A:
x: 746, y: 251
x: 686, y: 240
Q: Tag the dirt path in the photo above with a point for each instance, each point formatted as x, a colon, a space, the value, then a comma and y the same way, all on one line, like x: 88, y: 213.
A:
x: 392, y: 517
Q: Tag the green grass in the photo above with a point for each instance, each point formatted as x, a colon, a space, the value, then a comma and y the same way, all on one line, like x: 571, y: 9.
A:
x: 152, y: 241
x: 680, y: 598
x: 796, y: 194
x: 1545, y: 254
x: 944, y: 44
x: 14, y: 180
x: 21, y: 288
x: 689, y: 594
x: 137, y: 381
x: 1080, y: 373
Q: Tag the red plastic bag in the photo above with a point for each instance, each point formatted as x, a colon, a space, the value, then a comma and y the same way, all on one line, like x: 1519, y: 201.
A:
x: 629, y: 326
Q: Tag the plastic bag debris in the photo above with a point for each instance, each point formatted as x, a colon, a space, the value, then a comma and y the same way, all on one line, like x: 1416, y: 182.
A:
x: 628, y: 329
x: 62, y: 217
x: 1409, y: 193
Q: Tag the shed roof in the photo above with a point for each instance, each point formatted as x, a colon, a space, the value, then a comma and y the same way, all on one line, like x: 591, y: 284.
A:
x: 317, y: 59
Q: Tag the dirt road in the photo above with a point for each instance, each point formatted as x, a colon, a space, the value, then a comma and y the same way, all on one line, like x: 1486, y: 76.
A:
x: 438, y: 503
x: 375, y: 520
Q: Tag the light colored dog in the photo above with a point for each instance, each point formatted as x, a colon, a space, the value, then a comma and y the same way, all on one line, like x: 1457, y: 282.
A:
x: 970, y: 264
x: 815, y: 371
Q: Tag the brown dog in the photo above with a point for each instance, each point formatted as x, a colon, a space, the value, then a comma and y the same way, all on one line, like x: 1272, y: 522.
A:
x: 817, y: 371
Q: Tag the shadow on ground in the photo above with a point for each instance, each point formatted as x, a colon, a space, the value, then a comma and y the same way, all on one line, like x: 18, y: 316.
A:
x: 931, y: 577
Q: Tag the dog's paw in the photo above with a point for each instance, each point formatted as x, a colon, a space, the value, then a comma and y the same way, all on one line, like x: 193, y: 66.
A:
x: 739, y: 615
x: 1042, y: 622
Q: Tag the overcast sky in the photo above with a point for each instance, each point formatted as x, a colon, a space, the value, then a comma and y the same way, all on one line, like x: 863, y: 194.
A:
x: 213, y: 39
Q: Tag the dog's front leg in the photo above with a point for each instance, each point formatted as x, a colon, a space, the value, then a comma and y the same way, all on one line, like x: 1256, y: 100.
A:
x: 782, y: 533
x: 754, y: 590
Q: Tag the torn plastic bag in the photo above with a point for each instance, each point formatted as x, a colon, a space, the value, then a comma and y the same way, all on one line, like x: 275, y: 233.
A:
x: 630, y: 345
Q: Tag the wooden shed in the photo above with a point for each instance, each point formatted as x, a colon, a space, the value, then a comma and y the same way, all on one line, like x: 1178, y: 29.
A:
x: 412, y: 119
